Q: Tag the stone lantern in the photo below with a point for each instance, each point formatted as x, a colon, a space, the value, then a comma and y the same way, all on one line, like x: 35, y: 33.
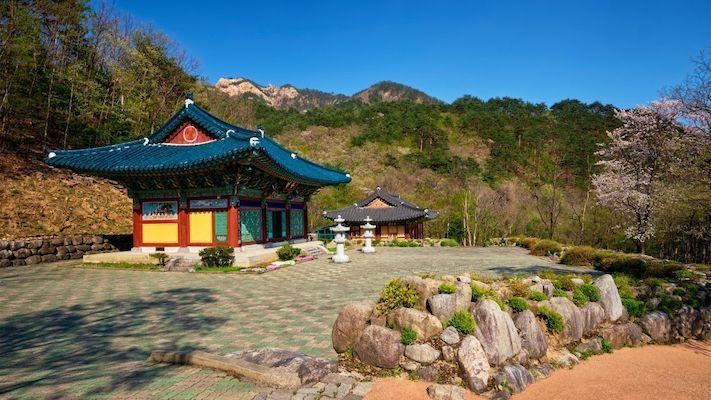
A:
x: 368, y: 235
x: 340, y: 240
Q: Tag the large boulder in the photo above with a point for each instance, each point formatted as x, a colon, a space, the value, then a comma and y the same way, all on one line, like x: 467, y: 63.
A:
x: 424, y: 287
x: 442, y: 306
x: 424, y: 324
x: 572, y: 318
x: 657, y: 325
x: 684, y: 325
x: 562, y: 357
x: 543, y: 285
x: 593, y: 315
x: 422, y: 353
x: 621, y: 335
x: 495, y: 331
x: 350, y: 323
x: 514, y: 377
x: 473, y: 363
x: 379, y: 346
x: 704, y: 324
x: 532, y: 337
x: 609, y: 297
x: 309, y: 369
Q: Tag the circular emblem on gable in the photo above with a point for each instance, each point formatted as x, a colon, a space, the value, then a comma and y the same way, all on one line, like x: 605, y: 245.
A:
x: 190, y: 134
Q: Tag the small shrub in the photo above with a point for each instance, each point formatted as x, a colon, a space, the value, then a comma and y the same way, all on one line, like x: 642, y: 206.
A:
x: 479, y: 292
x: 578, y: 255
x: 448, y: 243
x: 537, y: 296
x: 591, y: 291
x: 579, y: 297
x: 397, y: 294
x: 526, y: 242
x: 407, y: 335
x: 662, y: 268
x: 519, y: 287
x: 463, y: 322
x: 518, y: 304
x: 560, y: 293
x: 554, y: 321
x: 684, y: 274
x: 634, y: 308
x: 220, y: 256
x: 287, y: 252
x: 624, y: 285
x: 606, y: 346
x: 160, y: 257
x: 564, y: 282
x: 546, y: 248
x: 447, y: 288
x: 669, y: 304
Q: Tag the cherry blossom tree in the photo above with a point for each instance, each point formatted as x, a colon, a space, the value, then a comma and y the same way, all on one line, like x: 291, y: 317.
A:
x: 645, y: 150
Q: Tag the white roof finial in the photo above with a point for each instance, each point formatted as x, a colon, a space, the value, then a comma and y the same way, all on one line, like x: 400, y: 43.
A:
x: 188, y: 102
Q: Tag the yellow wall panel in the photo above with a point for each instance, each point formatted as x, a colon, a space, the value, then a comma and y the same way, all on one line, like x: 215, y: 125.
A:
x: 200, y: 227
x: 160, y: 233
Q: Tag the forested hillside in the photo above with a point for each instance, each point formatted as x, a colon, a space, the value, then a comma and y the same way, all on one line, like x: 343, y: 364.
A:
x: 75, y: 77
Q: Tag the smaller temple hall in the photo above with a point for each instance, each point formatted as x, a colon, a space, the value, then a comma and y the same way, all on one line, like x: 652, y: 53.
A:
x: 394, y: 217
x: 199, y: 181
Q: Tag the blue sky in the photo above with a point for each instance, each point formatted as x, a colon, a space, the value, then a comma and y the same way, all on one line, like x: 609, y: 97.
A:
x: 620, y: 52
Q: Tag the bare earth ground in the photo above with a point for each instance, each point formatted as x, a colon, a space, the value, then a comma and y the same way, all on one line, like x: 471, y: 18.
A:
x: 679, y: 372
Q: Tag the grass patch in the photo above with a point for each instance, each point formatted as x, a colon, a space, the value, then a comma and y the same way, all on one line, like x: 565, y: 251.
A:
x: 462, y: 321
x: 229, y: 268
x: 554, y: 321
x: 447, y: 288
x: 123, y: 265
x: 518, y: 304
x: 407, y: 336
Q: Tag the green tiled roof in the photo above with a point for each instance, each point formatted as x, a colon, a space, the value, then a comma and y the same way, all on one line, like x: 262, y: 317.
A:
x: 151, y: 156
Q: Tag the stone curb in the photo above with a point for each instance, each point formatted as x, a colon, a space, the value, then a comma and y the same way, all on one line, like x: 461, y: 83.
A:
x: 258, y: 374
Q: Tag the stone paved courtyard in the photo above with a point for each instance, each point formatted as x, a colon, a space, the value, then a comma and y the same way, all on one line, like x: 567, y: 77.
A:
x: 79, y: 332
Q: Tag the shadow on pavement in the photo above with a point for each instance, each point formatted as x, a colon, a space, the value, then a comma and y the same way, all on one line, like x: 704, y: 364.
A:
x: 70, y: 346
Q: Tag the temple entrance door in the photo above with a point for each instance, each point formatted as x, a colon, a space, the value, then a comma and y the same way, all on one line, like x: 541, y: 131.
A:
x: 276, y: 225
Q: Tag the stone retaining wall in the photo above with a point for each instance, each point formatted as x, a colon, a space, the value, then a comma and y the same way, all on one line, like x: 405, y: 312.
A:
x: 50, y: 249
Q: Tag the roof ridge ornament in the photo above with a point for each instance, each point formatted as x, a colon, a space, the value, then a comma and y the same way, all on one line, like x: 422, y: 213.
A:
x: 188, y: 102
x: 145, y: 141
x: 254, y: 141
x: 260, y: 128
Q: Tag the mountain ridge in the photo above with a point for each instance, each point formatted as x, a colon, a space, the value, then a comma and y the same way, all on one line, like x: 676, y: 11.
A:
x: 288, y: 96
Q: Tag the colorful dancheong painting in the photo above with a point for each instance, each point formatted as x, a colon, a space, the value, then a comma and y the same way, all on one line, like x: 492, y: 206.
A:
x: 160, y: 210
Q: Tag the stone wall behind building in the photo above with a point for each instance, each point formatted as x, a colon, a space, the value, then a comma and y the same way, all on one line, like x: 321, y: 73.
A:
x: 56, y: 248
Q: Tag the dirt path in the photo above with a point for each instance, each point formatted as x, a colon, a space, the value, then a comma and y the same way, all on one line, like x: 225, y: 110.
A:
x: 647, y: 373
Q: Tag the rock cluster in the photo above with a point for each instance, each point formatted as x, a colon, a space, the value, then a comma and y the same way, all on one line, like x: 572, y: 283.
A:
x: 35, y: 251
x: 507, y: 350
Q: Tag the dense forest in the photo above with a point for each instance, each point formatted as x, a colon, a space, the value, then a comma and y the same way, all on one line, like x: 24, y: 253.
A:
x: 72, y: 76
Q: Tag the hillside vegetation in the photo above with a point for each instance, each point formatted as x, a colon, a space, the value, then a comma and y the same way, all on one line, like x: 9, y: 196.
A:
x: 75, y: 77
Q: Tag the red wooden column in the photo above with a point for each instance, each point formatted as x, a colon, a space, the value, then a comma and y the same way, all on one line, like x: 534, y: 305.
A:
x: 137, y: 229
x: 183, y: 222
x: 306, y: 219
x: 264, y: 221
x: 288, y: 220
x: 233, y: 222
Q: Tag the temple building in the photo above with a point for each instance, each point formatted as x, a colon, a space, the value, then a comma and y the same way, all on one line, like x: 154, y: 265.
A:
x: 199, y: 181
x: 394, y: 217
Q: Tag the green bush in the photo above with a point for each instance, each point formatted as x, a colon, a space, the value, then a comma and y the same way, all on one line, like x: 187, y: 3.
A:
x: 564, y: 282
x: 634, y: 308
x: 554, y: 321
x: 518, y: 304
x: 404, y: 243
x: 519, y: 287
x: 536, y: 295
x: 397, y: 294
x: 160, y: 257
x: 606, y: 346
x: 560, y: 293
x: 579, y: 297
x: 578, y: 255
x: 662, y: 268
x: 526, y: 242
x: 546, y: 248
x: 220, y: 256
x: 669, y: 304
x: 684, y: 274
x: 624, y: 285
x: 463, y: 322
x: 447, y: 288
x: 479, y: 292
x: 287, y: 252
x: 591, y: 291
x: 407, y: 335
x: 448, y: 243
